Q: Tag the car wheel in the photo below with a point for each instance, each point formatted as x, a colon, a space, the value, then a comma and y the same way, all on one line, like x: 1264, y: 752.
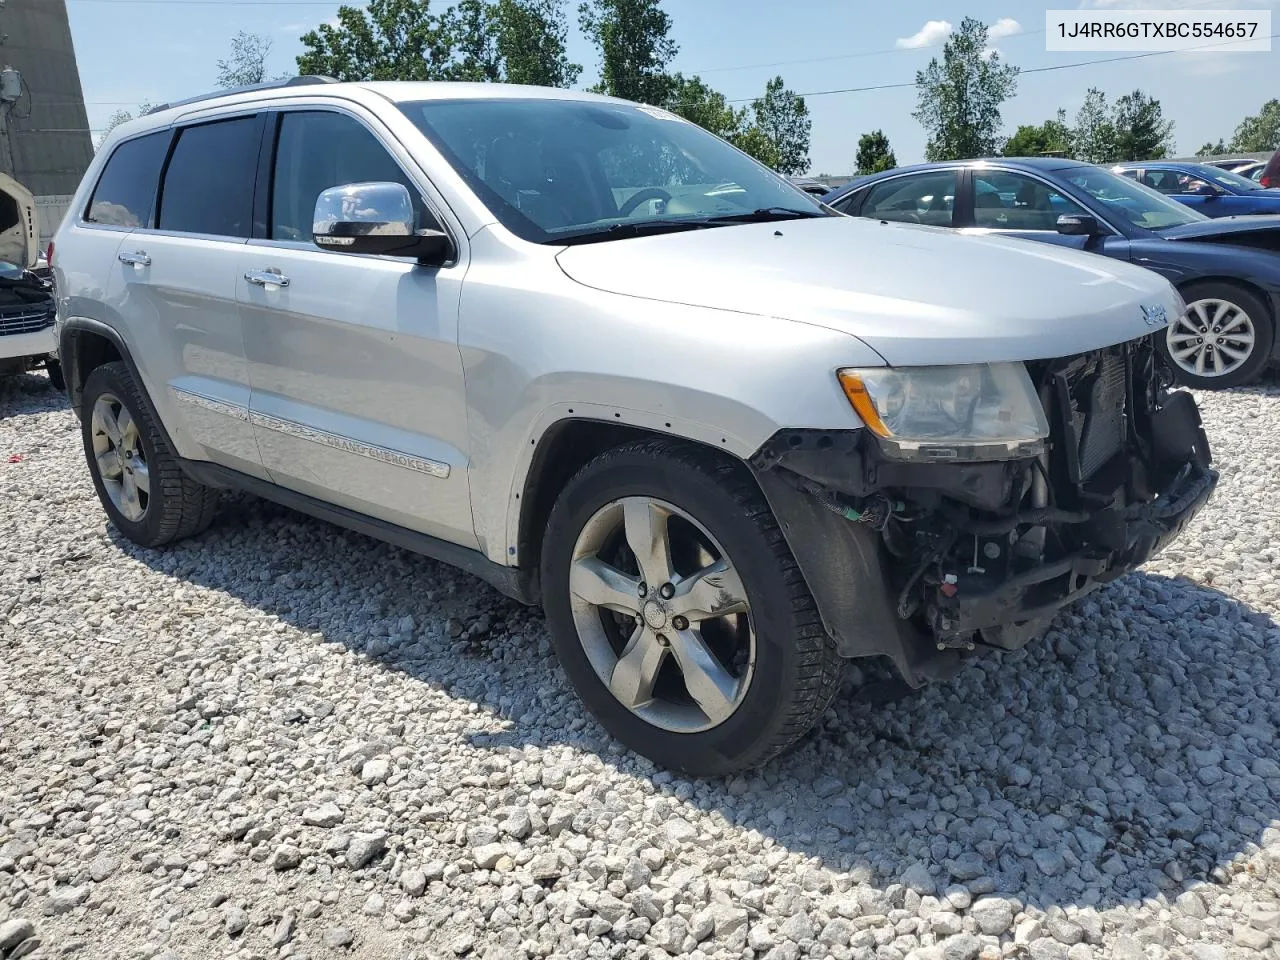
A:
x: 145, y: 493
x: 678, y: 612
x: 54, y: 369
x: 1223, y: 340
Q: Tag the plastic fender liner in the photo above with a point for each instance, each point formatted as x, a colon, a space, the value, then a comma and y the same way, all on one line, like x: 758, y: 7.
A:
x: 843, y: 564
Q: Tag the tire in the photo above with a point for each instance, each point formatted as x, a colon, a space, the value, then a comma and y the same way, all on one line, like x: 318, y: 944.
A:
x: 172, y: 506
x: 1241, y: 312
x: 782, y: 669
x: 54, y: 369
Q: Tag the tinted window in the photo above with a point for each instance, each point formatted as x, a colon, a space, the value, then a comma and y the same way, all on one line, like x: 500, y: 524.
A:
x: 1121, y: 199
x: 1011, y: 201
x: 208, y: 187
x: 127, y: 189
x: 926, y: 198
x: 551, y: 169
x: 317, y: 151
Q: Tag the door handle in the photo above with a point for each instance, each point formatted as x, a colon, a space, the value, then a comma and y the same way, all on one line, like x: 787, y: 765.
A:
x: 265, y: 278
x: 136, y: 259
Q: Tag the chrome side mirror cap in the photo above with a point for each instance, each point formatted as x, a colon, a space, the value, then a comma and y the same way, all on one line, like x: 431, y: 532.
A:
x: 376, y: 218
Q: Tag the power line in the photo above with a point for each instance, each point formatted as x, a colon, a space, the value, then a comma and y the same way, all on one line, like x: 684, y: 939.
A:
x: 1058, y: 66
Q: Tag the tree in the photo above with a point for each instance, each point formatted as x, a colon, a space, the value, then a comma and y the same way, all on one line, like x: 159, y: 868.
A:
x: 1051, y: 137
x: 122, y: 116
x: 635, y: 49
x: 1260, y: 133
x: 1212, y: 149
x: 698, y: 103
x: 1142, y: 132
x: 754, y: 141
x: 874, y: 153
x: 958, y: 101
x: 247, y: 63
x: 532, y: 35
x: 783, y: 117
x: 1094, y: 135
x: 389, y: 40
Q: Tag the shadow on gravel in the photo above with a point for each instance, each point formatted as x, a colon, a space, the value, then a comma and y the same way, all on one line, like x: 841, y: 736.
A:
x: 1133, y: 751
x: 29, y: 393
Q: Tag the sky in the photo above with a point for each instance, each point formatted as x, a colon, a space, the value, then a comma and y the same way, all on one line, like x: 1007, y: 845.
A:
x: 135, y: 51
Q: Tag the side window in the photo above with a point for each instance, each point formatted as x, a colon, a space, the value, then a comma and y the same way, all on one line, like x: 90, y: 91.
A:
x: 1011, y: 201
x: 1162, y: 180
x: 208, y: 187
x: 318, y: 150
x: 127, y: 189
x: 928, y: 198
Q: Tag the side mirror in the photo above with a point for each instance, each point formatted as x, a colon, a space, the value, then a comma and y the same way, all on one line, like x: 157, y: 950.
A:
x: 1079, y: 225
x: 376, y: 218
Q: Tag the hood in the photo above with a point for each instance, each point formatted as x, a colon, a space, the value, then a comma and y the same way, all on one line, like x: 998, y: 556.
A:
x: 19, y: 245
x: 1223, y: 228
x: 916, y: 295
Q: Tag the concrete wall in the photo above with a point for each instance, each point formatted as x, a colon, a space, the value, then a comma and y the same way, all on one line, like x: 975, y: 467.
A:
x: 45, y: 143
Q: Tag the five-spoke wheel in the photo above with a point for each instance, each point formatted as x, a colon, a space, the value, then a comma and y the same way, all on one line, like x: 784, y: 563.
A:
x: 122, y: 464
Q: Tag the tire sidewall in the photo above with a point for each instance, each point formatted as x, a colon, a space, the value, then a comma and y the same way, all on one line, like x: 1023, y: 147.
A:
x: 753, y: 726
x: 115, y: 379
x: 1264, y: 336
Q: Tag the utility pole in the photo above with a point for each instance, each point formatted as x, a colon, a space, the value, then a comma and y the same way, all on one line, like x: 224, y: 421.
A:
x: 10, y: 92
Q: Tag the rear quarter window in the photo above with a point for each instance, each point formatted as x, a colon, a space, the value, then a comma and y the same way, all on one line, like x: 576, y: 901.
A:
x: 126, y: 191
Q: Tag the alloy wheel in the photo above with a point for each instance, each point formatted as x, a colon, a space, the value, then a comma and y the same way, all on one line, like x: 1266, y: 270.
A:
x: 662, y: 614
x: 121, y: 461
x: 1212, y: 339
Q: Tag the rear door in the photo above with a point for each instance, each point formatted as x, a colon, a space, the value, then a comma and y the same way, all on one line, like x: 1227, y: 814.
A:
x: 358, y: 393
x: 179, y: 302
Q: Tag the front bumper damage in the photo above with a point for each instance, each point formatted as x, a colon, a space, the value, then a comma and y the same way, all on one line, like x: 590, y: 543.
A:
x: 923, y: 562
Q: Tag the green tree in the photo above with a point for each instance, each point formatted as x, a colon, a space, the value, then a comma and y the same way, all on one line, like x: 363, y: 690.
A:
x: 1051, y: 137
x: 1094, y: 135
x: 122, y: 116
x: 532, y: 37
x: 783, y: 117
x: 388, y: 40
x: 874, y: 153
x: 698, y: 103
x: 757, y: 143
x: 248, y: 61
x: 635, y: 47
x: 1142, y: 132
x: 958, y: 101
x: 1259, y: 133
x: 1212, y: 149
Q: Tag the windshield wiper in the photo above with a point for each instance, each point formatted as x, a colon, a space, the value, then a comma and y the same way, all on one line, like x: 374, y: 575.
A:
x: 767, y: 215
x: 621, y: 231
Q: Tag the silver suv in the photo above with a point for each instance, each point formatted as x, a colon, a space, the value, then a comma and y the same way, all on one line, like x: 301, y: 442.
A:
x: 604, y: 361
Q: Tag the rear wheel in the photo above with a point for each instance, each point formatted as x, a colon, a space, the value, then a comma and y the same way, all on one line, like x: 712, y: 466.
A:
x: 1223, y: 340
x: 54, y: 369
x: 146, y: 495
x: 678, y: 612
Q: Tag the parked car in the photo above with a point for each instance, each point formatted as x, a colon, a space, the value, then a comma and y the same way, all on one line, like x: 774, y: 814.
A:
x: 809, y: 185
x: 26, y: 297
x: 1270, y: 177
x: 1213, y: 192
x: 725, y: 446
x: 1227, y: 269
x: 1235, y: 164
x: 1251, y: 170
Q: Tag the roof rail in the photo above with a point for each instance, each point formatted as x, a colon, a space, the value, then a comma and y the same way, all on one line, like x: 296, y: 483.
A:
x: 304, y: 81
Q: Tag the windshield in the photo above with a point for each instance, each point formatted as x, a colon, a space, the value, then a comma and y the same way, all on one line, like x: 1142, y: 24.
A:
x: 560, y: 171
x: 1232, y: 181
x: 1128, y: 200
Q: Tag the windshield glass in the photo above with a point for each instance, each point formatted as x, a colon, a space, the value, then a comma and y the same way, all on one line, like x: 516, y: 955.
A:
x: 556, y: 171
x: 1128, y: 200
x: 1232, y: 181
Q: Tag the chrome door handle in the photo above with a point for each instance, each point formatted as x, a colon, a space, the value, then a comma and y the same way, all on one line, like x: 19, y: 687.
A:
x: 135, y: 259
x: 264, y: 278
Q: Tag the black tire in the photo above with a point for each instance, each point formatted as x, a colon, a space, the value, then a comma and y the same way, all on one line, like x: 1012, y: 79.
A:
x: 796, y: 671
x: 177, y: 506
x: 1264, y: 325
x: 54, y: 369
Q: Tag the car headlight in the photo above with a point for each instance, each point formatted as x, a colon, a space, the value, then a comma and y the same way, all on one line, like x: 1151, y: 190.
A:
x: 970, y: 412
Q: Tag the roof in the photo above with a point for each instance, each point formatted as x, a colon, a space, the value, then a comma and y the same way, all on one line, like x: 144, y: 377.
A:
x: 1041, y: 164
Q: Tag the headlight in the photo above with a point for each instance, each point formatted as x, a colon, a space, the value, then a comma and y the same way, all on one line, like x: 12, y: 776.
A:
x: 971, y: 412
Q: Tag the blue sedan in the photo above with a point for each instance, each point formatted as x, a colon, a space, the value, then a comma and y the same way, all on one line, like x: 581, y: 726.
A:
x: 1209, y: 189
x: 1227, y: 270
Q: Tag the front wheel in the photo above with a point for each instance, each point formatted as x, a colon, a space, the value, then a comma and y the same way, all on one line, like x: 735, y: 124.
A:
x: 678, y: 612
x: 1223, y: 340
x: 56, y: 380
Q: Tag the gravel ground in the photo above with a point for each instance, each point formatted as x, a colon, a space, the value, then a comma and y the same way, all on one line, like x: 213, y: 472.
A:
x: 285, y: 740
